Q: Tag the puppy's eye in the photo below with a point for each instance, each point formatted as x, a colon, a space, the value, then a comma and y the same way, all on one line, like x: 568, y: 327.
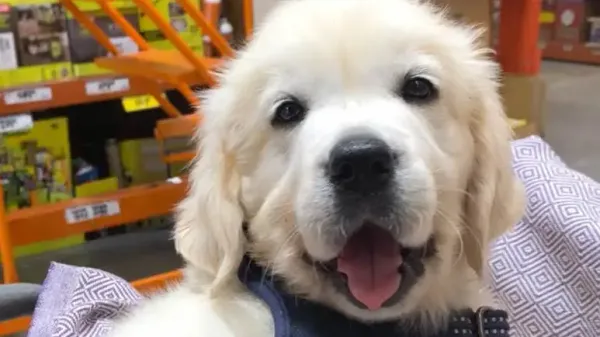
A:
x: 288, y: 112
x: 418, y: 90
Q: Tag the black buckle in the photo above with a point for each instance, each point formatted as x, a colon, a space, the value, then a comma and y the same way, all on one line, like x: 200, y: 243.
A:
x: 480, y: 320
x: 491, y: 322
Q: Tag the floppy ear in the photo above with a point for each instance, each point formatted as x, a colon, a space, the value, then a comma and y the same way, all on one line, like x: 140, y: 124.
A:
x: 494, y: 199
x: 208, y: 230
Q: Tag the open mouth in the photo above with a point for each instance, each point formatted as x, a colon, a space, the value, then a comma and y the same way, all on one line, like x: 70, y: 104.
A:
x: 373, y: 270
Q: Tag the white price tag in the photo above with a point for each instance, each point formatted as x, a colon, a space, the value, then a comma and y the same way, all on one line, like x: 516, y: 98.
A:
x: 106, y: 86
x: 125, y: 45
x: 8, y: 51
x: 567, y: 47
x: 28, y: 95
x: 16, y: 123
x: 83, y: 213
x: 174, y: 180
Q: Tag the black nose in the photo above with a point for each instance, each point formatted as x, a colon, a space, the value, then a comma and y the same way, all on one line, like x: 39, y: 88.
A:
x: 362, y: 164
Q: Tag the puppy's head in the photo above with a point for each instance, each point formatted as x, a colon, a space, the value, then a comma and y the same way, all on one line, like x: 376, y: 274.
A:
x: 365, y: 144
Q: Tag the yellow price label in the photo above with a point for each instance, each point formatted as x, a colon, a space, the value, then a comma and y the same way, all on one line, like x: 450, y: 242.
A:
x: 139, y: 103
x: 547, y: 17
x: 517, y: 123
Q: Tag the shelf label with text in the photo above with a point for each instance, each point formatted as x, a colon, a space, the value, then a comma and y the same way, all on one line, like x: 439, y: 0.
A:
x: 106, y: 86
x: 139, y: 103
x: 30, y: 95
x: 16, y: 123
x: 83, y: 213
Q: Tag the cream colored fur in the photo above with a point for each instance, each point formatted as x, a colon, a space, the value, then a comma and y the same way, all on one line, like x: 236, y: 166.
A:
x: 345, y: 57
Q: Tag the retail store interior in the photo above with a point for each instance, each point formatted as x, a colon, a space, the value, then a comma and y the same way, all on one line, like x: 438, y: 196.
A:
x: 96, y: 117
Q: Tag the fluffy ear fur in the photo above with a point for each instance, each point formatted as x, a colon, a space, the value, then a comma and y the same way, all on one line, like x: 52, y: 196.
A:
x: 494, y: 199
x: 208, y: 231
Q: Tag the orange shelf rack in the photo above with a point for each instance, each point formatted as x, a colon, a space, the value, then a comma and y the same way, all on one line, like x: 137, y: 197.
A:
x: 179, y: 68
x: 150, y: 71
x: 36, y: 97
x: 518, y: 33
x: 573, y: 52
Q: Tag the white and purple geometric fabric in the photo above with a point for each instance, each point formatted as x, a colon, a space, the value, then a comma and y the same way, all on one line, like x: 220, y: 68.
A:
x: 80, y: 302
x: 546, y: 271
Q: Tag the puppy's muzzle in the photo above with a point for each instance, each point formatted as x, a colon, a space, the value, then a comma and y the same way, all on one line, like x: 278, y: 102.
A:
x: 361, y: 164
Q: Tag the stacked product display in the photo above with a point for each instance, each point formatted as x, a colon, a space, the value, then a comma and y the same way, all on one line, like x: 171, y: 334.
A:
x: 45, y: 52
x: 570, y: 30
x: 41, y: 41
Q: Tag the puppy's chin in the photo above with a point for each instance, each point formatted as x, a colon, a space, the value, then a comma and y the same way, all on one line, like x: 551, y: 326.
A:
x: 372, y: 273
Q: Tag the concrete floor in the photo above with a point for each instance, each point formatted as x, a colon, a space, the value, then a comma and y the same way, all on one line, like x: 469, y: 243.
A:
x: 572, y: 128
x: 573, y: 114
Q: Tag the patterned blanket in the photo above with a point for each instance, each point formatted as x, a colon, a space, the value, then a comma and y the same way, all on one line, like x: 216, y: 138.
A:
x: 546, y: 272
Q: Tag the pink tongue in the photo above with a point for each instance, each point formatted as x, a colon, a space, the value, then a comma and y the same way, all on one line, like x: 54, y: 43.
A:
x: 370, y: 260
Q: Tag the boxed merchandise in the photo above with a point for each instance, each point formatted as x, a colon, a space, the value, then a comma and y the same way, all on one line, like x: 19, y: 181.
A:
x: 594, y: 37
x: 141, y: 161
x: 547, y: 22
x: 8, y: 49
x: 524, y: 98
x: 523, y: 95
x: 85, y: 48
x: 41, y: 41
x: 179, y: 20
x: 43, y: 155
x: 570, y: 25
x: 35, y: 167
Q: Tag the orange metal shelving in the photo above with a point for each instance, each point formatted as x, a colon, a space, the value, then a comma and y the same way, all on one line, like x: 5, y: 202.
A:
x: 75, y: 91
x: 572, y: 52
x: 151, y: 70
x: 517, y: 49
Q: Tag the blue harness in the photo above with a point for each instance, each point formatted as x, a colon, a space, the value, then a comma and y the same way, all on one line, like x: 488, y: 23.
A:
x: 297, y: 317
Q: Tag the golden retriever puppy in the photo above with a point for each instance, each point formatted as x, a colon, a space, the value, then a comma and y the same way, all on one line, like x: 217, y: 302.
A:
x: 365, y: 146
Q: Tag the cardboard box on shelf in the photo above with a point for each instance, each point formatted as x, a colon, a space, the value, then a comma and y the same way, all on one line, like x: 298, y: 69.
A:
x: 570, y: 25
x: 85, y: 48
x: 594, y: 35
x: 41, y: 41
x: 546, y: 33
x: 179, y: 20
x: 524, y: 98
x: 35, y: 167
x: 141, y: 161
x: 42, y: 154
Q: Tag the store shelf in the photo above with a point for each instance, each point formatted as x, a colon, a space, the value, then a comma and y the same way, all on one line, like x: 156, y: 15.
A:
x: 14, y: 326
x: 571, y: 52
x: 79, y: 215
x: 83, y: 90
x: 165, y: 65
